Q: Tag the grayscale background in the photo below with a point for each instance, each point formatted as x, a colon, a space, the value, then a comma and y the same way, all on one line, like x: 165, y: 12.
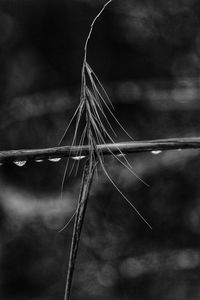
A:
x: 147, y: 55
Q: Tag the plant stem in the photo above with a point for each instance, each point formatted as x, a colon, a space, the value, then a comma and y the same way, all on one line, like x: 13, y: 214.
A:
x: 79, y: 218
x: 125, y: 147
x: 91, y: 29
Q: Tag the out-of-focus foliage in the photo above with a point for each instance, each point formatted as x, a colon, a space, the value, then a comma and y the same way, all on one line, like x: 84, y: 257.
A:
x: 147, y: 54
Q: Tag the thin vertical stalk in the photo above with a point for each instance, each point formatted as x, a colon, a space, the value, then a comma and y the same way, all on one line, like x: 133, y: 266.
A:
x: 91, y: 134
x: 79, y: 218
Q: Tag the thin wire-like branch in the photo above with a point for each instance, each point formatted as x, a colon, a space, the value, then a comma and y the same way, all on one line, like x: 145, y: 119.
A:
x: 80, y: 213
x: 105, y: 149
x: 91, y: 29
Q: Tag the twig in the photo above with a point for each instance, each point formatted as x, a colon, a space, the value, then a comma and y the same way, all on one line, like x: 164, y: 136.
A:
x: 125, y: 147
x: 80, y: 213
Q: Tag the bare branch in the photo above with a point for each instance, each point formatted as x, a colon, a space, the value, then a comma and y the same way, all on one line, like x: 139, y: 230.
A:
x: 79, y: 218
x: 105, y: 149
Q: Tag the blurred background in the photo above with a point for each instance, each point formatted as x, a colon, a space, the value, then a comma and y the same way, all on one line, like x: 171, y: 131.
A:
x: 147, y: 55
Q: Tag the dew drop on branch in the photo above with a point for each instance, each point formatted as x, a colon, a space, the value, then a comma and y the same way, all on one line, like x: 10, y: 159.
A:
x: 39, y: 160
x: 121, y: 155
x: 55, y: 159
x: 156, y: 152
x: 19, y: 163
x: 78, y: 157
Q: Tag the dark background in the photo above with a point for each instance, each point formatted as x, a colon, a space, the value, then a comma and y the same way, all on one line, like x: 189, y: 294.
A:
x: 147, y: 55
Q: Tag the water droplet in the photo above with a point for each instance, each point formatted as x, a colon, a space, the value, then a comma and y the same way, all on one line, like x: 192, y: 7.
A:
x: 121, y: 155
x: 39, y: 160
x: 19, y: 163
x: 78, y: 157
x: 55, y: 159
x: 156, y: 152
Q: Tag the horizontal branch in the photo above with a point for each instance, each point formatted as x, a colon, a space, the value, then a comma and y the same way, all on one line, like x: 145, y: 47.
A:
x: 117, y: 148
